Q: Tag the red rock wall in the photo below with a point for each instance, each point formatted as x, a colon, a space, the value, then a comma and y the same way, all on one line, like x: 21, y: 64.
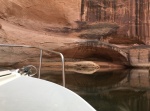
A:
x: 64, y: 12
x: 133, y: 16
x: 139, y: 57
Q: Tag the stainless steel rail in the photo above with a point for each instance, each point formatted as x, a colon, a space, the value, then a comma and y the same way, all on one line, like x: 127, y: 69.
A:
x: 41, y: 54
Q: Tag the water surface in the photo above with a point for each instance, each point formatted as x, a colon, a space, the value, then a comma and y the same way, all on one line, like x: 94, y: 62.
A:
x: 119, y: 90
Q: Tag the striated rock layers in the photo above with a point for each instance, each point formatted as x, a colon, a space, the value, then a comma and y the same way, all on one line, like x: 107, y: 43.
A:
x: 63, y: 24
x: 131, y: 15
x: 58, y: 12
x: 139, y: 56
x: 3, y: 35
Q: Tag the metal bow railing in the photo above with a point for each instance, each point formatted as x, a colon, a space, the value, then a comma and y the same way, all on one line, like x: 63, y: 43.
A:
x: 41, y: 54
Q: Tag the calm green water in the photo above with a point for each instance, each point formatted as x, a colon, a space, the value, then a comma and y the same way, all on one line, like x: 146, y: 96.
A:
x: 120, y: 90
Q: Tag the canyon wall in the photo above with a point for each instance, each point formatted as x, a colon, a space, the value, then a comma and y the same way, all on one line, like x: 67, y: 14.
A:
x: 132, y: 16
x: 58, y: 12
x: 139, y: 57
x: 63, y: 23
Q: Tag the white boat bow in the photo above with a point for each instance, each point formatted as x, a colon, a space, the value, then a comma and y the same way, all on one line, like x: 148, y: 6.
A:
x: 24, y: 93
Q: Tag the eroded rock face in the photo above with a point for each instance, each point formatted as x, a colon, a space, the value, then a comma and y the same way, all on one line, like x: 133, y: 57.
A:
x: 3, y: 35
x: 58, y: 12
x: 98, y: 30
x: 132, y: 16
x: 0, y: 26
x: 55, y: 24
x: 139, y: 57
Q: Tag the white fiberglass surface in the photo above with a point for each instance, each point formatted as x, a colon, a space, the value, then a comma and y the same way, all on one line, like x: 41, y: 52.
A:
x: 7, y: 76
x: 31, y: 94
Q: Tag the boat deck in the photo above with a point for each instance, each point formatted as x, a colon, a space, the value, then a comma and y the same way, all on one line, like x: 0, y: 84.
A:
x: 32, y: 94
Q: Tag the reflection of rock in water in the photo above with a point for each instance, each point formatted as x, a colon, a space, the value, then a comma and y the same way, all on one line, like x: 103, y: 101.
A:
x: 126, y: 100
x: 140, y: 78
x: 110, y: 91
x: 83, y: 67
x: 137, y: 78
x: 84, y: 71
x: 130, y: 94
x: 96, y: 81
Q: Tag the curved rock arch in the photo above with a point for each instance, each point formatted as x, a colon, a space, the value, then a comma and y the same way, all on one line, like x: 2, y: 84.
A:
x: 97, y: 49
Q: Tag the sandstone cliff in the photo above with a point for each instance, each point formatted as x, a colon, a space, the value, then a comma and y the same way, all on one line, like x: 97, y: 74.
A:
x: 57, y: 12
x: 131, y: 15
x: 73, y: 26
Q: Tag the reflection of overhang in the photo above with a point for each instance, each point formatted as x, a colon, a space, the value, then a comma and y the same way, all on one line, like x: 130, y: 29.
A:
x: 138, y: 79
x: 94, y: 81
